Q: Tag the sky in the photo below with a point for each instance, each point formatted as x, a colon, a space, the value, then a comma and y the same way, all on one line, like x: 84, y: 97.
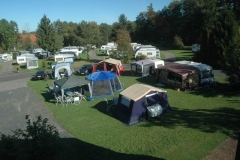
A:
x: 28, y: 13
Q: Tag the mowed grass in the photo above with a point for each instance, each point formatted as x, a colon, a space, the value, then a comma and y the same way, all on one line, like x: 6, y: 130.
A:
x: 200, y: 121
x: 182, y: 54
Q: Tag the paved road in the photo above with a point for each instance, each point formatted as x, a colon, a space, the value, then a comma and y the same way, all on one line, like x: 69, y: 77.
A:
x: 17, y: 100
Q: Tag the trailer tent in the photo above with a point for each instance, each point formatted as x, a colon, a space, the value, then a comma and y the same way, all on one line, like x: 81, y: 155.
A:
x: 109, y: 65
x: 133, y: 102
x: 103, y: 83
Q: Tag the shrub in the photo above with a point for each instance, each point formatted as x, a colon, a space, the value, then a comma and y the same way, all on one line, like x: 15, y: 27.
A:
x: 38, y: 141
x: 178, y: 43
x: 141, y: 57
x: 44, y: 65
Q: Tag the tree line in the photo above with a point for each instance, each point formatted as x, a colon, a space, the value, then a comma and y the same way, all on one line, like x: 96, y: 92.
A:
x: 214, y: 24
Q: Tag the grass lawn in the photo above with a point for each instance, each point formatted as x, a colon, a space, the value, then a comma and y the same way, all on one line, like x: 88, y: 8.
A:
x: 200, y: 121
x: 182, y: 54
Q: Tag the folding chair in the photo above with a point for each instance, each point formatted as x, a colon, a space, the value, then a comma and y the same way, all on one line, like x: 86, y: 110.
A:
x: 68, y: 100
x: 76, y: 100
x: 110, y: 104
x: 58, y: 99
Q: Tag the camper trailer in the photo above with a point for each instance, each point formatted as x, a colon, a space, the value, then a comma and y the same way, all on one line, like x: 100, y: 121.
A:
x: 64, y: 58
x: 6, y: 57
x: 137, y: 102
x: 142, y: 46
x: 151, y: 53
x: 206, y: 72
x: 74, y: 49
x: 23, y: 58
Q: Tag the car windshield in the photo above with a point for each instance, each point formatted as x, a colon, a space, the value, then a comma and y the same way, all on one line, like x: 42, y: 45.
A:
x: 40, y: 72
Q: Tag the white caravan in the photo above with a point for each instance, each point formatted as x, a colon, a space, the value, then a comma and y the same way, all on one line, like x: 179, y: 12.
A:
x: 151, y: 53
x: 6, y: 57
x: 23, y: 58
x: 137, y: 47
x: 64, y: 58
x: 75, y: 49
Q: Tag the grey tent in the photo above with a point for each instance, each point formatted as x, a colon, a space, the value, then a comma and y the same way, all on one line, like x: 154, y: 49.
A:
x: 134, y: 101
x: 71, y: 82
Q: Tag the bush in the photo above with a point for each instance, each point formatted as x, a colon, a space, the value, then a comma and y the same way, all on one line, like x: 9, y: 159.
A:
x: 38, y: 141
x: 141, y: 57
x: 44, y: 65
x: 178, y: 43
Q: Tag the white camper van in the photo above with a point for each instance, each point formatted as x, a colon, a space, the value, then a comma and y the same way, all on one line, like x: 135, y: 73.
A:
x: 75, y: 49
x: 151, y: 53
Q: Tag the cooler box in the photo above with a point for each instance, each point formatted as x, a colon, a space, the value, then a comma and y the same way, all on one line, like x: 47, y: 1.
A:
x: 154, y: 110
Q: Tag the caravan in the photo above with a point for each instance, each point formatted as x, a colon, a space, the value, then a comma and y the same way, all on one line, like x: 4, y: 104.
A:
x: 151, y: 53
x: 64, y: 58
x: 6, y: 57
x: 23, y: 58
x: 74, y: 49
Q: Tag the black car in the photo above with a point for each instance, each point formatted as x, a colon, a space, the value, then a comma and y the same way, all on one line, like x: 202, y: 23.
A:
x: 40, y: 75
x: 41, y: 55
x: 85, y: 69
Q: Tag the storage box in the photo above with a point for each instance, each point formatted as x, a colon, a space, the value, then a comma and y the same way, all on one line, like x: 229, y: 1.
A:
x: 154, y: 110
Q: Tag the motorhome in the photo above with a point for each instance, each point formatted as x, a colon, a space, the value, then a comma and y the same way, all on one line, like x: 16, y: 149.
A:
x: 64, y: 58
x: 6, y: 57
x: 151, y: 53
x: 206, y: 77
x: 72, y: 52
x: 23, y: 58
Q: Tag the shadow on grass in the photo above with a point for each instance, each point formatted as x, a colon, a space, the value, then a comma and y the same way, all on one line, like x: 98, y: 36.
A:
x: 74, y: 149
x: 221, y: 89
x: 222, y: 120
x: 102, y: 107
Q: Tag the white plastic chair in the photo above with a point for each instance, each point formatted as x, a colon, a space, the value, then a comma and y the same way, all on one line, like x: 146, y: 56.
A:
x: 76, y: 100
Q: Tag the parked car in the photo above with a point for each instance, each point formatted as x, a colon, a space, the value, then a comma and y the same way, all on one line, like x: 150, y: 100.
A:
x: 41, y: 55
x: 40, y: 75
x: 85, y: 69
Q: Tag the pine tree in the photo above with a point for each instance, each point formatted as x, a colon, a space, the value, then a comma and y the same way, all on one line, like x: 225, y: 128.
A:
x: 46, y: 35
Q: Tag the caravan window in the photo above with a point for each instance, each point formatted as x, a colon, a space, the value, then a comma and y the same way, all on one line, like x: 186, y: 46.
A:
x: 21, y: 59
x: 149, y: 53
x: 139, y: 53
x: 125, y: 101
